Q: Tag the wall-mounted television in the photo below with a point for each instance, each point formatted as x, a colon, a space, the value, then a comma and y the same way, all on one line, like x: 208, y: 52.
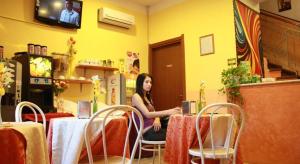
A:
x: 65, y: 13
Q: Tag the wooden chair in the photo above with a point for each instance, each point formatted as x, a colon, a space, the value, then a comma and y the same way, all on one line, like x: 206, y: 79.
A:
x: 113, y: 159
x: 233, y: 131
x: 33, y: 107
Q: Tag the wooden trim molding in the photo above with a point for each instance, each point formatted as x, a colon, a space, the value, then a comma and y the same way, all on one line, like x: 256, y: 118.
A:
x: 279, y: 17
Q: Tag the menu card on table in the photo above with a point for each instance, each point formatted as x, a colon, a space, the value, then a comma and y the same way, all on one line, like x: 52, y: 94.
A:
x: 84, y: 109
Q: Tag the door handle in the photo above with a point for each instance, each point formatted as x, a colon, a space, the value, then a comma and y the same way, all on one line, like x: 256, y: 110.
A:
x: 169, y: 65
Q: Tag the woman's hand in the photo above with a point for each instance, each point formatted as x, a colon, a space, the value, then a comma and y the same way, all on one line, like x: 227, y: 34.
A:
x: 176, y: 110
x: 156, y: 124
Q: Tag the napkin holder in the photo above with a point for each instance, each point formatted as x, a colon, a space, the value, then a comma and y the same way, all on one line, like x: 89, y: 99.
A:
x: 188, y: 107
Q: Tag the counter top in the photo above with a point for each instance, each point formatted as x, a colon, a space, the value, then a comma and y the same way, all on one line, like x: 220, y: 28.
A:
x: 271, y: 83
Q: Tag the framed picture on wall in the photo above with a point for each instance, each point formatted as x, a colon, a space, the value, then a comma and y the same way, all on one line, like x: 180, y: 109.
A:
x: 207, y: 44
x: 284, y: 5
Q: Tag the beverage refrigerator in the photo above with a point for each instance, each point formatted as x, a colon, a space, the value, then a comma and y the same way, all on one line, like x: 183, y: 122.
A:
x: 120, y: 89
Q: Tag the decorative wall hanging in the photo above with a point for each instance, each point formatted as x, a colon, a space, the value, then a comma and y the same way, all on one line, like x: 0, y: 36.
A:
x: 248, y: 37
x: 284, y: 5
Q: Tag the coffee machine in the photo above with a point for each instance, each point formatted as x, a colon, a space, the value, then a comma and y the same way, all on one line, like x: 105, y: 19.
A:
x: 37, y: 78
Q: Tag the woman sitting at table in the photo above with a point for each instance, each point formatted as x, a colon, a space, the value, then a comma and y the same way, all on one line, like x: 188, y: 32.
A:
x: 155, y: 122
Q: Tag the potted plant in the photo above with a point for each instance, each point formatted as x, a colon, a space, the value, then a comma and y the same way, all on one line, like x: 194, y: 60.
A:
x: 233, y: 77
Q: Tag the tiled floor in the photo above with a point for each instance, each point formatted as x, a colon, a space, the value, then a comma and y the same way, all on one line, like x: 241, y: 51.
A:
x: 149, y: 160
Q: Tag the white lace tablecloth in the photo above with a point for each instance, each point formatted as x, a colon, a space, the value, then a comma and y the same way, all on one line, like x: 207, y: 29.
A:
x: 68, y: 138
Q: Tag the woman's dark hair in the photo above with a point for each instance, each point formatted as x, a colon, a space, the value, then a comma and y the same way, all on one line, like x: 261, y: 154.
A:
x: 139, y: 87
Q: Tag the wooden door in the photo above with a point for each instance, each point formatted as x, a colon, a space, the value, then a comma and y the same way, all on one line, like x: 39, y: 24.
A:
x: 167, y: 67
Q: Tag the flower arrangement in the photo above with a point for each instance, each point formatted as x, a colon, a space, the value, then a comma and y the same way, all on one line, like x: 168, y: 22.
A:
x: 202, y: 101
x: 96, y: 86
x: 59, y: 87
x: 71, y: 54
x: 71, y: 50
x: 96, y: 91
x: 6, y: 77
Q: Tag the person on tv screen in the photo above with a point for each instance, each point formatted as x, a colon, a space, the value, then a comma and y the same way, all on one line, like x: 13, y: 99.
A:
x: 69, y: 15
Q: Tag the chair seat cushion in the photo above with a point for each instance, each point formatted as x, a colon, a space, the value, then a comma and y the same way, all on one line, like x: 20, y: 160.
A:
x: 208, y: 152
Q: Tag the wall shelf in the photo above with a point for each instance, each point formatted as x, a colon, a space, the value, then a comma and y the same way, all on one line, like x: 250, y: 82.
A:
x: 95, y: 67
x: 76, y: 81
x: 87, y: 67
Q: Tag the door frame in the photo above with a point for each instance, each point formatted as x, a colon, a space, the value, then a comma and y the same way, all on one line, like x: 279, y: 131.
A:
x: 179, y: 40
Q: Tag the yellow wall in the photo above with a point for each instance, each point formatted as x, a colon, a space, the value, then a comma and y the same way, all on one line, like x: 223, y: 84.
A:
x: 94, y: 40
x: 195, y: 18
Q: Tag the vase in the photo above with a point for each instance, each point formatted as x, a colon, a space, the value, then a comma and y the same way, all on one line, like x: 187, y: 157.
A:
x: 59, y: 104
x: 95, y: 107
x: 70, y: 66
x: 199, y: 106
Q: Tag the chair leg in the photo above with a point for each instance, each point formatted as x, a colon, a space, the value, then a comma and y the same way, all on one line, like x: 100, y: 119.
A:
x: 159, y: 154
x: 153, y: 158
x: 140, y: 153
x: 233, y: 159
x: 194, y: 160
x: 202, y: 160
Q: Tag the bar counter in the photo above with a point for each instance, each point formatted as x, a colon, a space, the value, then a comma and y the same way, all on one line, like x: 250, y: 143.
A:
x: 272, y: 129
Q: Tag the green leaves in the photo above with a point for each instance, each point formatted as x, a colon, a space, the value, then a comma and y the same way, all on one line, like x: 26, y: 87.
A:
x: 233, y: 77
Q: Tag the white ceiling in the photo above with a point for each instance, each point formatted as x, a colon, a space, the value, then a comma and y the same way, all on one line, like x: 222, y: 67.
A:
x: 146, y: 2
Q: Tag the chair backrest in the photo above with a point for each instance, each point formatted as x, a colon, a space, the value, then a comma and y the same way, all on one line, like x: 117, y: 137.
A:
x: 235, y: 125
x: 33, y: 107
x: 109, y: 111
x: 135, y: 122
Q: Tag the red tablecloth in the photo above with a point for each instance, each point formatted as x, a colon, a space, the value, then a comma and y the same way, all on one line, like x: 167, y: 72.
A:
x: 116, y: 131
x: 182, y: 135
x: 115, y: 137
x: 48, y: 116
x: 13, y: 146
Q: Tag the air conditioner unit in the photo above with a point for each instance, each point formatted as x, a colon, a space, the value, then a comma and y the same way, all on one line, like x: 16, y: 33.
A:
x: 114, y: 17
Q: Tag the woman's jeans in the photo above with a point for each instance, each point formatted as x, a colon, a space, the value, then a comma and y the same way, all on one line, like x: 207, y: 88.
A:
x: 160, y: 135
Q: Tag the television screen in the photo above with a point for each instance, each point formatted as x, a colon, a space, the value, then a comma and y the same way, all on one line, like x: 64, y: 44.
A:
x: 66, y: 13
x: 40, y: 67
